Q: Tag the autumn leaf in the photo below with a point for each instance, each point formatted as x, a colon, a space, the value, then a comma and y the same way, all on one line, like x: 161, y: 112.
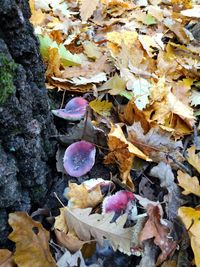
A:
x: 188, y: 183
x: 193, y: 158
x: 87, y: 8
x: 101, y: 107
x: 154, y: 229
x: 99, y: 227
x: 6, y: 258
x: 32, y: 248
x: 122, y: 153
x: 191, y: 219
x: 81, y: 197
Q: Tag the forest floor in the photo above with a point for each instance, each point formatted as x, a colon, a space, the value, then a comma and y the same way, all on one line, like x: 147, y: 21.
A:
x: 123, y: 80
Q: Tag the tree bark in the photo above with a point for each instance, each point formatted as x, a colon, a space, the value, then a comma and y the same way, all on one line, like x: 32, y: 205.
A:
x: 26, y: 124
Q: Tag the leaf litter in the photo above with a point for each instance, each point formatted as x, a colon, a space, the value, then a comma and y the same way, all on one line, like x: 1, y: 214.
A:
x: 136, y: 64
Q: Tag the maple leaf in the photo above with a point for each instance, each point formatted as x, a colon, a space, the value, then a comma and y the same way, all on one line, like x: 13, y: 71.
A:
x: 87, y: 8
x: 101, y: 107
x: 191, y: 219
x: 116, y: 85
x: 188, y: 183
x: 6, y: 258
x: 154, y: 229
x: 193, y: 158
x: 32, y: 248
x: 99, y: 227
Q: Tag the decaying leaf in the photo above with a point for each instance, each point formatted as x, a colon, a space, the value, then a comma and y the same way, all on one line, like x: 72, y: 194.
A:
x: 154, y: 229
x: 193, y: 158
x: 32, y: 248
x: 101, y: 107
x: 60, y: 221
x: 98, y: 226
x: 191, y: 220
x: 188, y: 183
x: 6, y: 258
x: 122, y: 153
x: 71, y: 259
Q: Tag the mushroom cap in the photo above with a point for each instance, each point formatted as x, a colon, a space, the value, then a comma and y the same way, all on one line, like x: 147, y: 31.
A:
x: 79, y: 158
x: 74, y: 110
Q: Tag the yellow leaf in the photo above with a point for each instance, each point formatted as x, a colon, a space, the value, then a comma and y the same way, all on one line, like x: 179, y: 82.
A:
x: 101, y: 107
x: 87, y: 8
x: 191, y: 220
x: 60, y: 222
x: 126, y: 37
x: 32, y: 247
x: 188, y: 183
x: 116, y: 85
x: 38, y: 18
x: 193, y: 158
x: 92, y: 50
x: 81, y: 197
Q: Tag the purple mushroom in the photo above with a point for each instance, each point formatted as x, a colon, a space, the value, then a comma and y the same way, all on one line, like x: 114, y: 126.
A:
x: 74, y: 110
x: 79, y: 158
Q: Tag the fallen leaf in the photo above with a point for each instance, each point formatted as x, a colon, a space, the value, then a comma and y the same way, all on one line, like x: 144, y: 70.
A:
x: 87, y: 8
x: 99, y: 227
x: 193, y: 158
x: 6, y: 258
x: 154, y: 229
x: 191, y: 219
x: 101, y: 107
x: 71, y: 259
x: 92, y: 50
x: 156, y: 143
x: 69, y: 241
x: 32, y: 248
x: 122, y: 153
x: 60, y: 221
x: 195, y: 98
x: 81, y: 197
x: 116, y: 85
x: 188, y: 183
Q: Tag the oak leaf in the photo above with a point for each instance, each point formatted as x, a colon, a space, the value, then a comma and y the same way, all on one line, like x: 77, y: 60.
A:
x: 188, y: 183
x: 98, y: 226
x: 87, y: 8
x: 193, y: 158
x: 32, y: 248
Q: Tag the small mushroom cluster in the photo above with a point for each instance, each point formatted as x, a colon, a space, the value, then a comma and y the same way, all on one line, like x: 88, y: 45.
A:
x: 79, y: 157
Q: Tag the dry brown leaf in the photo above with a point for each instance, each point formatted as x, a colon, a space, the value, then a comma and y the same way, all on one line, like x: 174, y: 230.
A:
x: 188, y: 183
x: 87, y: 8
x: 154, y: 229
x: 32, y: 247
x: 132, y: 114
x: 6, y: 258
x: 98, y: 226
x: 69, y: 240
x: 156, y: 143
x: 193, y: 158
x: 81, y: 197
x: 122, y: 153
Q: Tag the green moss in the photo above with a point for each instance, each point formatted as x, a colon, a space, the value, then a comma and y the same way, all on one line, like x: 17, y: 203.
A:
x: 7, y: 71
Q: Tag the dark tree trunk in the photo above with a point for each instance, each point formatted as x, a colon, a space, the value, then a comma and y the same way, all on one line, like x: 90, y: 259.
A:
x: 26, y: 123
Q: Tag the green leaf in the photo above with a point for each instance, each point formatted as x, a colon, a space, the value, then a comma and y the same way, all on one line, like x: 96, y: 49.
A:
x: 45, y: 43
x: 68, y: 59
x: 149, y: 20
